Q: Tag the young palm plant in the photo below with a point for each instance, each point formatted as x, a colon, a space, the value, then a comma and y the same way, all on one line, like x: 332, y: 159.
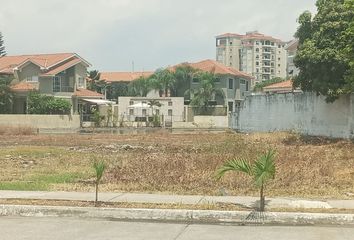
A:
x: 99, y: 167
x: 262, y: 170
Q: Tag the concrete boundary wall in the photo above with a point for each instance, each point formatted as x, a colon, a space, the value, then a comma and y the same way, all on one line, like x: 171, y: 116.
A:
x: 305, y: 113
x: 40, y: 121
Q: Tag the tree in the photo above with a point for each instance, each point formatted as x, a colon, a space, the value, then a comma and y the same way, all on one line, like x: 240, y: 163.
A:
x: 43, y: 104
x: 139, y: 87
x: 163, y: 81
x: 117, y: 89
x: 325, y: 49
x: 155, y: 118
x: 99, y: 167
x: 206, y: 91
x: 6, y: 95
x: 183, y: 76
x: 2, y: 46
x: 262, y: 170
x: 94, y: 83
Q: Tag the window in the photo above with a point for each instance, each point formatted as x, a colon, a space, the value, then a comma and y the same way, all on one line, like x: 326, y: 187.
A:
x: 230, y: 43
x: 257, y: 42
x: 247, y: 86
x: 279, y: 46
x: 144, y: 112
x: 278, y: 59
x: 257, y: 63
x: 257, y: 70
x: 257, y: 49
x: 257, y: 56
x: 169, y: 112
x: 231, y: 83
x: 157, y: 111
x: 131, y: 102
x: 32, y: 79
x: 169, y: 103
x: 56, y: 84
x: 278, y: 65
x: 195, y: 80
x: 243, y: 81
x: 217, y: 80
x: 81, y: 82
x: 131, y: 111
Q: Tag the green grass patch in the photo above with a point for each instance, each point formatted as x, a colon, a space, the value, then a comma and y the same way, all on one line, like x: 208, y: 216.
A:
x: 40, y: 182
x: 24, y: 186
x: 58, y: 178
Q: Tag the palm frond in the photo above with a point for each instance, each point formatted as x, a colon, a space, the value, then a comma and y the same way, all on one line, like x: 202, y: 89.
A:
x: 264, y: 168
x: 238, y: 165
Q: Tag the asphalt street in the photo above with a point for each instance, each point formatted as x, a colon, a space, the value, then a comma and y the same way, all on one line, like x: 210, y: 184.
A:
x: 38, y: 228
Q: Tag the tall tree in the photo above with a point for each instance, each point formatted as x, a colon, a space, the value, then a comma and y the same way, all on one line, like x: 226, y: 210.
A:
x: 139, y: 87
x: 206, y: 91
x: 2, y: 46
x: 325, y: 49
x: 163, y: 81
x: 5, y: 94
x: 94, y: 83
x: 183, y: 76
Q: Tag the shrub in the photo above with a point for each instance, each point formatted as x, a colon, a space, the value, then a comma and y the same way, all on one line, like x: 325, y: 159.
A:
x: 42, y: 104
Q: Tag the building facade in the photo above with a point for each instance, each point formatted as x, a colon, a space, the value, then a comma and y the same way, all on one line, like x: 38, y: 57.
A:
x: 291, y: 49
x: 259, y: 55
x: 62, y: 75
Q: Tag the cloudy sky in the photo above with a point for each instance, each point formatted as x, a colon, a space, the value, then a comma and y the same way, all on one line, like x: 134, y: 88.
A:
x: 153, y: 33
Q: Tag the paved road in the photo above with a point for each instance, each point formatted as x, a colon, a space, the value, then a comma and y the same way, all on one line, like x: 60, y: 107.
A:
x: 18, y: 228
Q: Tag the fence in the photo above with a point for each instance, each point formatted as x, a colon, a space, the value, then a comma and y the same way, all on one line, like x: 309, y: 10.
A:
x: 305, y: 113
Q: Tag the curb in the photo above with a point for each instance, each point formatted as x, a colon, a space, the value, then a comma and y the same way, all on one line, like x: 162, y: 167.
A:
x: 179, y: 215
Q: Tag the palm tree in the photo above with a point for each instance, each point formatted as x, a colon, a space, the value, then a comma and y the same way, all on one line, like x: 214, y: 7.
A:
x: 262, y: 170
x: 162, y: 80
x: 206, y: 91
x: 155, y: 117
x: 99, y: 168
x: 183, y: 76
x: 94, y: 83
x: 139, y: 87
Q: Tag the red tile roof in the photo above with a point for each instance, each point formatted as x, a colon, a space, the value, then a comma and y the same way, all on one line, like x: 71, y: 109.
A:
x: 250, y: 36
x: 45, y: 61
x: 123, y: 76
x: 81, y: 92
x: 24, y: 87
x: 284, y: 84
x: 218, y: 68
x: 63, y: 67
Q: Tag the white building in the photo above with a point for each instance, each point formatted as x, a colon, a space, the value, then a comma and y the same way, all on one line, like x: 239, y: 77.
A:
x: 138, y: 109
x: 261, y: 56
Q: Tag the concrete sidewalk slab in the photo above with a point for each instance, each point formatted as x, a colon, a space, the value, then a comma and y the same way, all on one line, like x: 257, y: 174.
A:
x: 190, y: 216
x: 157, y: 198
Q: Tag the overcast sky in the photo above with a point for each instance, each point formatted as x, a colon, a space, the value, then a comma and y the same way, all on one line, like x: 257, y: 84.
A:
x: 111, y: 34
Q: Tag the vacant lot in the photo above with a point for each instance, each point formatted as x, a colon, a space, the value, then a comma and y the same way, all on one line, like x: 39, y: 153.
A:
x: 176, y: 163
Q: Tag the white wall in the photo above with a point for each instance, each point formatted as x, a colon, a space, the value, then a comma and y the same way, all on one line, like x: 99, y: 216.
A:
x: 41, y: 121
x: 305, y: 113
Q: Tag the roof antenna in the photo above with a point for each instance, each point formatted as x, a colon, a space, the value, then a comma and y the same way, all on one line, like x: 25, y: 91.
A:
x: 133, y: 66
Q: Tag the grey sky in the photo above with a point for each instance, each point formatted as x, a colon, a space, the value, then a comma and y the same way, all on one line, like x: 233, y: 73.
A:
x: 153, y: 33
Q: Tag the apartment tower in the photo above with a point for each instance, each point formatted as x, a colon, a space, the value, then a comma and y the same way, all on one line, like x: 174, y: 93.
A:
x: 259, y: 55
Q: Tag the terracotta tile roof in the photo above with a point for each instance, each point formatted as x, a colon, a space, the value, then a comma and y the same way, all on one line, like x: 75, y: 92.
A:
x: 229, y: 35
x: 284, y: 84
x: 45, y: 61
x: 123, y: 76
x: 62, y: 67
x: 292, y: 45
x: 250, y: 36
x: 81, y: 92
x: 218, y: 68
x: 24, y: 87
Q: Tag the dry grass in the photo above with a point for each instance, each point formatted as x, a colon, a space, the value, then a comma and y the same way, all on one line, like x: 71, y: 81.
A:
x: 20, y: 130
x: 177, y: 163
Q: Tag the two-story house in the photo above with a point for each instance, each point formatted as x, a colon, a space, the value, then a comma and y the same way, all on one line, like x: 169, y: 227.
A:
x: 61, y: 75
x: 234, y: 83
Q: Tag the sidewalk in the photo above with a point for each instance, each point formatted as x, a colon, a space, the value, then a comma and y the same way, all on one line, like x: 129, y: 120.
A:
x: 250, y: 202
